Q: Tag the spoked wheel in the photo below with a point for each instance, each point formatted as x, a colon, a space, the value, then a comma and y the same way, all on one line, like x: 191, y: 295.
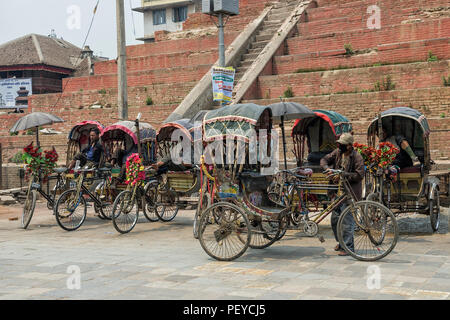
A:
x: 107, y: 199
x: 28, y: 208
x: 70, y: 210
x: 265, y: 232
x: 150, y: 198
x: 434, y: 209
x: 166, y: 206
x: 367, y: 231
x: 201, y: 207
x: 125, y: 212
x: 224, y: 231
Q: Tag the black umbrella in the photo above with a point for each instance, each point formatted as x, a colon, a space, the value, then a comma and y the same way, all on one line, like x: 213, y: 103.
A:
x: 35, y: 120
x: 282, y: 111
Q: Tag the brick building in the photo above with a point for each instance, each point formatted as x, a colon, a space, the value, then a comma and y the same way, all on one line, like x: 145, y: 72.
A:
x: 331, y: 60
x: 46, y: 60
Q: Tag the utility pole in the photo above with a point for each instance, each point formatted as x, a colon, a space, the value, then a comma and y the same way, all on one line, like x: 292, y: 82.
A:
x: 221, y: 41
x: 122, y: 99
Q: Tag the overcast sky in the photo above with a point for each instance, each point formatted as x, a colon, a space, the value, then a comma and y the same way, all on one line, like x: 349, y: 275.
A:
x: 21, y: 17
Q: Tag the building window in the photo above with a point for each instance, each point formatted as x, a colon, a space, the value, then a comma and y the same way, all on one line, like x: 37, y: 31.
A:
x: 159, y: 16
x: 180, y: 14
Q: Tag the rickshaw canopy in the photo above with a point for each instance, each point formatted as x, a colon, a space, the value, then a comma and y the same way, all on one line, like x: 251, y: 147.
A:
x: 398, y: 113
x: 185, y: 125
x: 83, y: 128
x: 123, y: 129
x: 338, y: 123
x: 237, y: 119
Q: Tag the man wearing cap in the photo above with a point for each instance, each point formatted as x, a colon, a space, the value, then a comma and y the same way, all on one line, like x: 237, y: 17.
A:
x: 351, y: 163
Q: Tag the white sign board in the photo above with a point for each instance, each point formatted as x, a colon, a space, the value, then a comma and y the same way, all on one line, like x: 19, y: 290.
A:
x: 222, y: 83
x: 9, y: 91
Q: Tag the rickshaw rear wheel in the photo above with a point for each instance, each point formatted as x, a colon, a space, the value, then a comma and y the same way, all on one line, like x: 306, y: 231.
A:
x: 374, y: 230
x: 125, y: 212
x: 150, y: 194
x: 28, y: 208
x: 434, y: 210
x: 224, y: 231
x: 166, y: 205
x: 264, y: 233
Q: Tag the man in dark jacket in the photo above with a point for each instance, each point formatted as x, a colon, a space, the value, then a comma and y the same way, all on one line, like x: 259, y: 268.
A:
x: 351, y: 162
x: 90, y: 155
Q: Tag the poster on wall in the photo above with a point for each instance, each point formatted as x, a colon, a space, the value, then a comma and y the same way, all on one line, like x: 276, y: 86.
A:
x: 14, y: 93
x: 222, y: 82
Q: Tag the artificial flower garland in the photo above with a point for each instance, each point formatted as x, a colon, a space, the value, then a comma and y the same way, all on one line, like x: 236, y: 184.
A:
x: 36, y: 162
x: 134, y: 169
x: 381, y: 157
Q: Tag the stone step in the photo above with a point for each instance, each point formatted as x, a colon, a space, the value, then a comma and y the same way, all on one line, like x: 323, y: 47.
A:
x: 278, y: 16
x: 264, y: 37
x: 250, y: 56
x: 267, y: 32
x: 254, y: 51
x: 246, y: 63
x: 259, y: 44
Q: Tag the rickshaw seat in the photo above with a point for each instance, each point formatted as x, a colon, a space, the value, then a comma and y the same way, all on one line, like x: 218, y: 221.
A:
x: 60, y: 170
x: 179, y: 172
x: 410, y: 170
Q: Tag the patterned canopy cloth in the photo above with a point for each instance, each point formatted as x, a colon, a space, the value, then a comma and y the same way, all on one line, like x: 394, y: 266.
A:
x: 238, y: 120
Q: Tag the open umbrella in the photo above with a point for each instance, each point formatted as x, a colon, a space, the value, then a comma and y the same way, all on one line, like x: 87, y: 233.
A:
x: 35, y: 120
x: 282, y: 111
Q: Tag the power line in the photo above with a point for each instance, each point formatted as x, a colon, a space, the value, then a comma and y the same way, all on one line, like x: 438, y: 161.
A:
x: 81, y: 53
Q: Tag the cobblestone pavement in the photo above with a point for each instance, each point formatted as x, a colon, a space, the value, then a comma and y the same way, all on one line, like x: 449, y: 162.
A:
x: 163, y: 261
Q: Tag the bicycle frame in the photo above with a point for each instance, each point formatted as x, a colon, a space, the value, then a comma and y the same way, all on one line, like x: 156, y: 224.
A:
x: 47, y: 196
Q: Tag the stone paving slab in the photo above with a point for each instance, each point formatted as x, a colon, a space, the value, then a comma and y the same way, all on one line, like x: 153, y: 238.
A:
x: 163, y: 261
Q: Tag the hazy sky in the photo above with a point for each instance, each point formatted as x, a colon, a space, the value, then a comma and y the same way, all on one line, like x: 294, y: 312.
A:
x: 70, y: 19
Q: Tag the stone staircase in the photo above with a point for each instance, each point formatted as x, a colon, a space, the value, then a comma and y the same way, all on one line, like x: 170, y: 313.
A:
x: 270, y: 26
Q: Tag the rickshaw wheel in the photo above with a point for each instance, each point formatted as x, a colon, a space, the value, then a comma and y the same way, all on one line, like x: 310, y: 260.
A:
x: 434, y: 210
x: 224, y: 231
x: 28, y: 208
x: 373, y: 227
x: 70, y: 210
x: 206, y: 202
x: 166, y: 206
x: 267, y: 232
x: 125, y: 212
x: 149, y: 205
x: 373, y: 196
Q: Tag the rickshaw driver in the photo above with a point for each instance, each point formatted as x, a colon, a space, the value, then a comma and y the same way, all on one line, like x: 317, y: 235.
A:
x: 351, y: 162
x: 90, y: 155
x: 119, y: 158
x: 406, y: 157
x: 164, y: 162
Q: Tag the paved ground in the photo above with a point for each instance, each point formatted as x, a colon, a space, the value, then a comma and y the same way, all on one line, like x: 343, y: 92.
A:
x: 164, y: 261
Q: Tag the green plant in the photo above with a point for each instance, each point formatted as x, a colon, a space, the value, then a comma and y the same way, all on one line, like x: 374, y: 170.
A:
x: 348, y: 49
x: 377, y: 64
x: 442, y: 115
x: 81, y: 90
x: 431, y: 57
x: 149, y: 101
x: 386, y: 84
x: 446, y: 81
x: 13, y: 133
x: 288, y: 93
x: 102, y: 91
x: 17, y: 158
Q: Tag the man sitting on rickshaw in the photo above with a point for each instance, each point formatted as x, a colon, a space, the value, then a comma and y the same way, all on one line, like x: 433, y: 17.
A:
x: 164, y: 161
x: 351, y: 163
x: 406, y: 157
x: 119, y: 158
x: 91, y: 155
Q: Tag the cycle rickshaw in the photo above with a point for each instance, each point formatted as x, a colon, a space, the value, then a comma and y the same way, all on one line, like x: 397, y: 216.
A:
x: 245, y: 216
x: 313, y: 138
x: 180, y: 185
x: 413, y: 189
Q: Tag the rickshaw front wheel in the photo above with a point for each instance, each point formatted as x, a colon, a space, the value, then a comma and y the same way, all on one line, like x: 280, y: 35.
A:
x: 434, y: 210
x: 28, y: 208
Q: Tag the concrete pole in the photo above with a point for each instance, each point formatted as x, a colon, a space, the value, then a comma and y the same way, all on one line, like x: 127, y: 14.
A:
x: 122, y: 99
x: 221, y: 42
